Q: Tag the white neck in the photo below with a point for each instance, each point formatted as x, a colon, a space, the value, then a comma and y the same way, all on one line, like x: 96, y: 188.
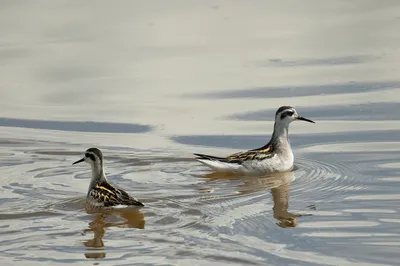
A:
x: 98, y: 175
x: 280, y: 136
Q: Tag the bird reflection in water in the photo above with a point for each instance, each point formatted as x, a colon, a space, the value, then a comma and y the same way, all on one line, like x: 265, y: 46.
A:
x: 278, y: 183
x: 131, y: 218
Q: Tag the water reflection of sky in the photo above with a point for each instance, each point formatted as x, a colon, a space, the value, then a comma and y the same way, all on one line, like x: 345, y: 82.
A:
x: 201, y: 76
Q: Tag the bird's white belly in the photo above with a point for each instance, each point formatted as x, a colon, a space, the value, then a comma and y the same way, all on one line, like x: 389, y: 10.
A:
x: 274, y: 164
x: 277, y: 163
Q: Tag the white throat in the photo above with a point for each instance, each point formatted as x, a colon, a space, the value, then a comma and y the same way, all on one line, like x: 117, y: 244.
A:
x: 98, y: 174
x: 281, y: 133
x: 281, y: 145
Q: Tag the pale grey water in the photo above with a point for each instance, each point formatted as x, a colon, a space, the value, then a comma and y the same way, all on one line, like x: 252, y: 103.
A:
x: 151, y: 82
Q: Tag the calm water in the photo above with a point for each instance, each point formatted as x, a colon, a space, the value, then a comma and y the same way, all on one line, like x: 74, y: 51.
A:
x: 151, y: 82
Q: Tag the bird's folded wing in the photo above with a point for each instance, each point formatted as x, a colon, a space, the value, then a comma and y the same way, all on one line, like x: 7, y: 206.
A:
x: 262, y: 153
x: 104, y: 195
x: 249, y: 156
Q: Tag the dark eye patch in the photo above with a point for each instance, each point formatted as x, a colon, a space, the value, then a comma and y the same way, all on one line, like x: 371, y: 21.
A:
x: 287, y: 113
x: 90, y: 156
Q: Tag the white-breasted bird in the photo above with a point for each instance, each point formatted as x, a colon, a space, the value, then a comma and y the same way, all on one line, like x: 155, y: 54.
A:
x: 276, y: 156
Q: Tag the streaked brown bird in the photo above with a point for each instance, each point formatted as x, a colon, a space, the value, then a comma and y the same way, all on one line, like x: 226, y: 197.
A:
x: 101, y: 193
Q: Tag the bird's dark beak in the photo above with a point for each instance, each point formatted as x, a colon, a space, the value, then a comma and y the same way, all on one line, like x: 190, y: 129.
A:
x: 79, y: 161
x: 305, y: 119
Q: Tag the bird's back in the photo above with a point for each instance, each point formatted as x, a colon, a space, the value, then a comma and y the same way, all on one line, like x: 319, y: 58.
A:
x: 105, y: 195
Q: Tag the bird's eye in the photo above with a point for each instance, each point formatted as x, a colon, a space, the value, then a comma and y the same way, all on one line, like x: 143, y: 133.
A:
x: 286, y: 114
x: 90, y: 156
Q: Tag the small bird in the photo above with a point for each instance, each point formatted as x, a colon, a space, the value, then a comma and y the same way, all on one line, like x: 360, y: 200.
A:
x: 276, y: 156
x: 101, y: 193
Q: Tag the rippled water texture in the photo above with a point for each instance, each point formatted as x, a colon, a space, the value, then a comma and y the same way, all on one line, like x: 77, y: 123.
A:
x: 150, y: 83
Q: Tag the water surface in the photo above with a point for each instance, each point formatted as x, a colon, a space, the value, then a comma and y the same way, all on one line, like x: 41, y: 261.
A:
x: 149, y: 83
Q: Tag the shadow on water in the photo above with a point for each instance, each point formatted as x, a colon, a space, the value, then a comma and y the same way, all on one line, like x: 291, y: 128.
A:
x: 89, y: 126
x: 327, y: 61
x: 368, y: 111
x: 300, y: 91
x: 251, y: 141
x: 132, y: 218
x: 277, y: 183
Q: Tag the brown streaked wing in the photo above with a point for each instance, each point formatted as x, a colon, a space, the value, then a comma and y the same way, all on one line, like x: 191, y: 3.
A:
x: 120, y: 196
x: 258, y: 154
x: 110, y: 187
x: 266, y: 149
x: 104, y: 195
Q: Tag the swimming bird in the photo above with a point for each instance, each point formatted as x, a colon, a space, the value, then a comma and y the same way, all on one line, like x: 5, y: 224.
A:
x: 276, y: 156
x: 101, y: 193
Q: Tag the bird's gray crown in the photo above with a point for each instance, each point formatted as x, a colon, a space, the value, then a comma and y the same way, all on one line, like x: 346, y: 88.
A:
x: 283, y: 108
x: 95, y: 151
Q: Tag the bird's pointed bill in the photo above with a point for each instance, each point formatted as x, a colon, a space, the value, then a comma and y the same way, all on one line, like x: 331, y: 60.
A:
x: 305, y: 119
x: 79, y: 161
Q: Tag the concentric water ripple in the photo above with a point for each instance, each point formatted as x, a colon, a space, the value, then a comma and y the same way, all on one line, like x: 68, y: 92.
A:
x: 323, y: 180
x: 186, y: 204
